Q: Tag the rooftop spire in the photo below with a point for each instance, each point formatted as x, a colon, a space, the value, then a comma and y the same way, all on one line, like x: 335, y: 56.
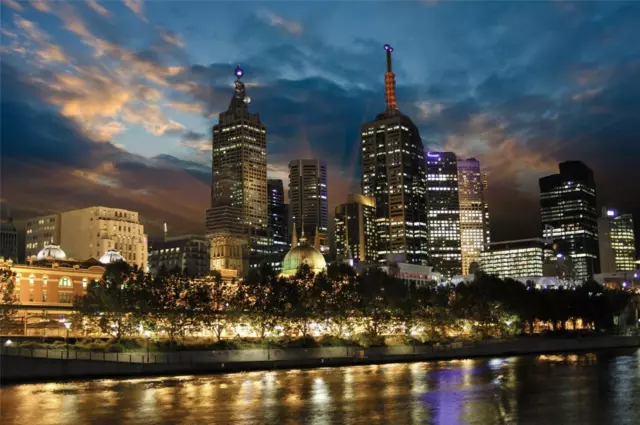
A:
x: 390, y: 82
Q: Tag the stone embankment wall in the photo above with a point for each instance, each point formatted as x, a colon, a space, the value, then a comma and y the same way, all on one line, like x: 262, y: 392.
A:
x: 18, y: 365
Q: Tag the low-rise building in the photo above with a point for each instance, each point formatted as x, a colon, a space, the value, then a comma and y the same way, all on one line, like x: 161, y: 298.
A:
x: 517, y: 258
x: 189, y: 253
x: 8, y: 240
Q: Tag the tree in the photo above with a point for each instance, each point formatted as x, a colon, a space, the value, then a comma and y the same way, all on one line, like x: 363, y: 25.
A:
x: 110, y: 303
x: 178, y: 304
x: 260, y: 299
x: 9, y: 299
x: 222, y: 299
x: 374, y: 288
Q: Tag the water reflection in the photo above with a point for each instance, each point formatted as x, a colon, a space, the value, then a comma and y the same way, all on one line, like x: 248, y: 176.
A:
x: 550, y: 389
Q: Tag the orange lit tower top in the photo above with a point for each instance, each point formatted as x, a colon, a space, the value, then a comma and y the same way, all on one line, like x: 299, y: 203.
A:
x: 390, y: 82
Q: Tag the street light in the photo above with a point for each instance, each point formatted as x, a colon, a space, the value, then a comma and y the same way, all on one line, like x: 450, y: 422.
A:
x: 147, y: 335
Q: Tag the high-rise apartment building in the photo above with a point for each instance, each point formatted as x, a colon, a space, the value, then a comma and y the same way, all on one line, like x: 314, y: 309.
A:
x: 91, y: 232
x: 617, y: 240
x: 393, y: 174
x: 474, y: 212
x: 278, y: 223
x: 188, y: 253
x: 568, y: 215
x: 355, y: 230
x: 237, y: 220
x: 443, y: 213
x: 308, y: 204
x: 40, y: 231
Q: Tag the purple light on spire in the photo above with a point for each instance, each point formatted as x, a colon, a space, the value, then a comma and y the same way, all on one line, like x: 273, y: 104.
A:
x: 388, y: 48
x: 239, y: 72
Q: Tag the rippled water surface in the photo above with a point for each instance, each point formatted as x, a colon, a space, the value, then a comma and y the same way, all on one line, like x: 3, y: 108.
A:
x: 600, y: 388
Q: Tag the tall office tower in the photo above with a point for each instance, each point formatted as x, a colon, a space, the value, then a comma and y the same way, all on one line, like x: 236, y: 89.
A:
x: 568, y: 213
x: 355, y: 230
x: 474, y: 212
x: 308, y: 201
x: 393, y: 174
x: 617, y: 242
x: 40, y: 231
x: 238, y: 213
x: 91, y: 232
x: 278, y: 223
x: 443, y: 213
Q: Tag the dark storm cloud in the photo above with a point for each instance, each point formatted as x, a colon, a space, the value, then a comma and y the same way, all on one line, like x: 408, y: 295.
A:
x: 33, y: 130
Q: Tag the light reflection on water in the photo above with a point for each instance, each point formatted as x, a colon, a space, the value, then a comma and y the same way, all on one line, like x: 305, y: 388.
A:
x: 550, y: 389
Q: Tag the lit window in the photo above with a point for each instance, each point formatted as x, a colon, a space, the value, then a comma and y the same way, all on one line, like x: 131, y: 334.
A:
x: 65, y: 282
x: 84, y: 283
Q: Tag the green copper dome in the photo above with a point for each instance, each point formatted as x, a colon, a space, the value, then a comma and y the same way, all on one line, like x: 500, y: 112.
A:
x: 303, y: 254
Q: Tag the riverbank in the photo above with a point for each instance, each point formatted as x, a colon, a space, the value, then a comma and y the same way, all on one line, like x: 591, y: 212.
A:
x: 22, y: 365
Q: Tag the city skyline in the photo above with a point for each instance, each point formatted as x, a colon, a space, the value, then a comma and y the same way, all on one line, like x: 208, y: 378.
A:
x: 68, y: 163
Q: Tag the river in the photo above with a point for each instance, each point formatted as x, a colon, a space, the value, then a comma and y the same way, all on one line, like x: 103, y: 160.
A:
x: 595, y: 388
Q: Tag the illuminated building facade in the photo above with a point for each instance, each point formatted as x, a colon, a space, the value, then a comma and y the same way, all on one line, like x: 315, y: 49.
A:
x: 40, y: 231
x: 355, y: 230
x: 90, y: 232
x: 474, y: 212
x: 617, y: 240
x: 308, y: 201
x: 188, y: 253
x: 393, y: 174
x: 568, y: 215
x: 237, y: 221
x: 45, y: 289
x: 443, y: 213
x: 278, y: 223
x: 518, y: 258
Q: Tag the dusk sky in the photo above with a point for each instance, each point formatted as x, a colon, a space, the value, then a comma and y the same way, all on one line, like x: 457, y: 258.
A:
x: 108, y: 103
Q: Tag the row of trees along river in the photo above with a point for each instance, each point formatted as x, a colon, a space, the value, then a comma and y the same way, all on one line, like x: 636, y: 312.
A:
x: 338, y: 303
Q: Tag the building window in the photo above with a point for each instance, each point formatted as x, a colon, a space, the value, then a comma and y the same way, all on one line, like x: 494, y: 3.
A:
x: 32, y: 280
x: 31, y: 296
x: 64, y: 282
x: 65, y: 297
x: 84, y: 283
x: 44, y: 296
x: 45, y: 280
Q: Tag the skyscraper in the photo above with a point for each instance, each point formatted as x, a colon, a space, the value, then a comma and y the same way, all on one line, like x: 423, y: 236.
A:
x: 393, y: 174
x: 617, y: 240
x: 355, y: 230
x: 474, y: 212
x: 308, y: 201
x: 568, y: 215
x: 443, y: 213
x: 237, y: 220
x: 278, y: 223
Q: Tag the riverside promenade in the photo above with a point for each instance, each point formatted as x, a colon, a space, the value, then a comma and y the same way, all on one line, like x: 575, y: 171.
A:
x: 19, y: 365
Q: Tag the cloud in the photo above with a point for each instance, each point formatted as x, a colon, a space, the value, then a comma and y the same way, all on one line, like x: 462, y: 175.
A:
x: 196, y: 141
x: 65, y: 169
x: 13, y: 4
x: 99, y: 9
x: 136, y: 7
x: 292, y: 27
